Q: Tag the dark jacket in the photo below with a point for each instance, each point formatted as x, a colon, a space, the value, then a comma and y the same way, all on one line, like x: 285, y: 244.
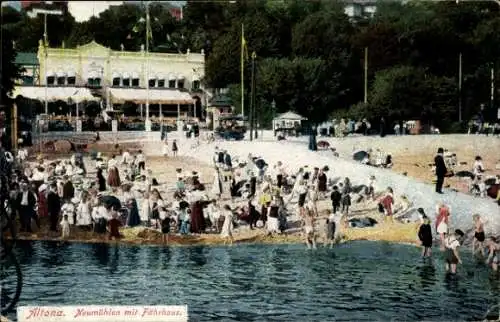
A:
x: 53, y: 203
x: 440, y: 166
x: 336, y: 197
x: 68, y: 190
x: 31, y: 200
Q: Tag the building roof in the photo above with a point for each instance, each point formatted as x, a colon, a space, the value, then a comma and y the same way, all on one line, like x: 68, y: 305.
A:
x: 26, y: 59
x: 290, y: 116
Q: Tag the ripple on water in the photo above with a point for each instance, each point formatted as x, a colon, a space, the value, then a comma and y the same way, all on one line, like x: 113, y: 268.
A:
x: 360, y: 281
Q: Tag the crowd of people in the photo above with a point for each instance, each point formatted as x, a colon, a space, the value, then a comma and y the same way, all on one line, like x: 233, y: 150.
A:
x: 122, y: 192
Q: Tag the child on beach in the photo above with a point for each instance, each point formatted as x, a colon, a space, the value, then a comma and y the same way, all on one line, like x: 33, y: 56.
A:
x: 387, y: 202
x: 336, y: 198
x: 452, y: 255
x: 165, y: 227
x: 330, y: 230
x: 65, y: 227
x: 174, y: 148
x: 309, y: 229
x: 425, y: 236
x: 370, y: 191
x: 493, y: 253
x: 346, y: 202
x: 114, y: 228
x: 227, y: 227
x: 442, y: 219
x: 479, y: 236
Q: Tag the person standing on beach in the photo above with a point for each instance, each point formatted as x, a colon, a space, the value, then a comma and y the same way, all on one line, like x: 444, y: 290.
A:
x: 227, y: 227
x: 174, y: 148
x: 479, y: 236
x: 440, y: 170
x: 336, y: 198
x: 54, y: 206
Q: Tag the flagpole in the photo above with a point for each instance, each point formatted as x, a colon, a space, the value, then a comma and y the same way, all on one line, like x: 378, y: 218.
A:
x: 147, y: 125
x: 242, y: 71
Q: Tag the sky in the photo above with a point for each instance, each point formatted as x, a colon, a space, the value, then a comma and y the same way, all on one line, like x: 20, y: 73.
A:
x: 83, y: 10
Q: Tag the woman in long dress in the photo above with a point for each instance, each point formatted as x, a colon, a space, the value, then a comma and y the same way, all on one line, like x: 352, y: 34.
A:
x: 227, y: 227
x: 43, y: 209
x: 197, y: 219
x: 217, y: 185
x: 113, y: 174
x: 133, y: 218
x: 83, y: 212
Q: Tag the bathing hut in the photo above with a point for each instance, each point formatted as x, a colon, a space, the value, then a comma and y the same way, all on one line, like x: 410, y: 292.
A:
x: 288, y: 123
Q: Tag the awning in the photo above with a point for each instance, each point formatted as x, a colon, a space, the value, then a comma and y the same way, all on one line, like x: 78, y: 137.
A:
x: 160, y: 76
x: 126, y: 75
x: 156, y: 96
x: 116, y: 75
x: 92, y: 74
x: 171, y: 77
x: 196, y: 78
x: 61, y: 74
x: 180, y: 76
x: 71, y: 73
x: 135, y: 75
x: 50, y: 74
x: 152, y: 77
x: 77, y: 94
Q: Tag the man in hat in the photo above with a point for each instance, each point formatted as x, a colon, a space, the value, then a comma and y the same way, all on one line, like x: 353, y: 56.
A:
x: 26, y: 203
x: 440, y: 170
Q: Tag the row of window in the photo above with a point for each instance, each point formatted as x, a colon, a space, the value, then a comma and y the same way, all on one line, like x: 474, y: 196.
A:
x: 125, y: 82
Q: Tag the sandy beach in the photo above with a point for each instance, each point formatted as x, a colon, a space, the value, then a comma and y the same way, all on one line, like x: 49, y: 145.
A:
x: 413, y: 161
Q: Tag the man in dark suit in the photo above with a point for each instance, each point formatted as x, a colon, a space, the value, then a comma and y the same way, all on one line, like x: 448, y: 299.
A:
x: 68, y: 189
x: 440, y: 170
x: 54, y: 206
x: 25, y: 204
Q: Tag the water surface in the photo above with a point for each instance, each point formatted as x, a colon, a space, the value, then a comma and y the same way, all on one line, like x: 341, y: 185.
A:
x: 360, y: 281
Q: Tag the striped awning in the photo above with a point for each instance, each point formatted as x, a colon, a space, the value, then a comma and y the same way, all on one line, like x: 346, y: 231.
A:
x: 77, y: 94
x: 153, y: 96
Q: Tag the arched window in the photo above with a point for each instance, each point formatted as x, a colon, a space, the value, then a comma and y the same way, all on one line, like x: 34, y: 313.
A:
x: 135, y: 80
x: 126, y: 80
x: 61, y: 78
x: 71, y: 77
x: 180, y: 81
x: 50, y: 78
x: 116, y: 79
x: 171, y: 81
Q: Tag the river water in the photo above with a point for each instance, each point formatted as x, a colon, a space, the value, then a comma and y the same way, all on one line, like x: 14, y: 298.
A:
x: 360, y: 281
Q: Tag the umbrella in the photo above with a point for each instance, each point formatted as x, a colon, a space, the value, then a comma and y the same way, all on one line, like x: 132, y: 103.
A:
x: 111, y: 202
x: 464, y: 174
x: 360, y: 156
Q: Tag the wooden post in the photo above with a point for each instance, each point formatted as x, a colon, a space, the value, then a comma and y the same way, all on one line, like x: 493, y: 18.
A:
x: 14, y: 127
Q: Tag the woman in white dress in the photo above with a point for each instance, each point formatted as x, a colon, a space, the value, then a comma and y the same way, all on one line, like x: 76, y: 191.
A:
x: 166, y: 148
x: 83, y: 212
x: 227, y: 227
x: 68, y: 208
x: 217, y: 184
x: 273, y: 226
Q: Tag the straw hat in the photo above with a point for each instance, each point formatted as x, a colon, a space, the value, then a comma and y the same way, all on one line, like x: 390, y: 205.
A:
x: 42, y: 188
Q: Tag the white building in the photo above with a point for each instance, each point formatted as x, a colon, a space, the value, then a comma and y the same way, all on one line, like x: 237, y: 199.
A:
x: 122, y: 76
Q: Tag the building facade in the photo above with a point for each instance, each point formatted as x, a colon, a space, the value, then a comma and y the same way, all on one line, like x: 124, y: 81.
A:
x: 94, y: 65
